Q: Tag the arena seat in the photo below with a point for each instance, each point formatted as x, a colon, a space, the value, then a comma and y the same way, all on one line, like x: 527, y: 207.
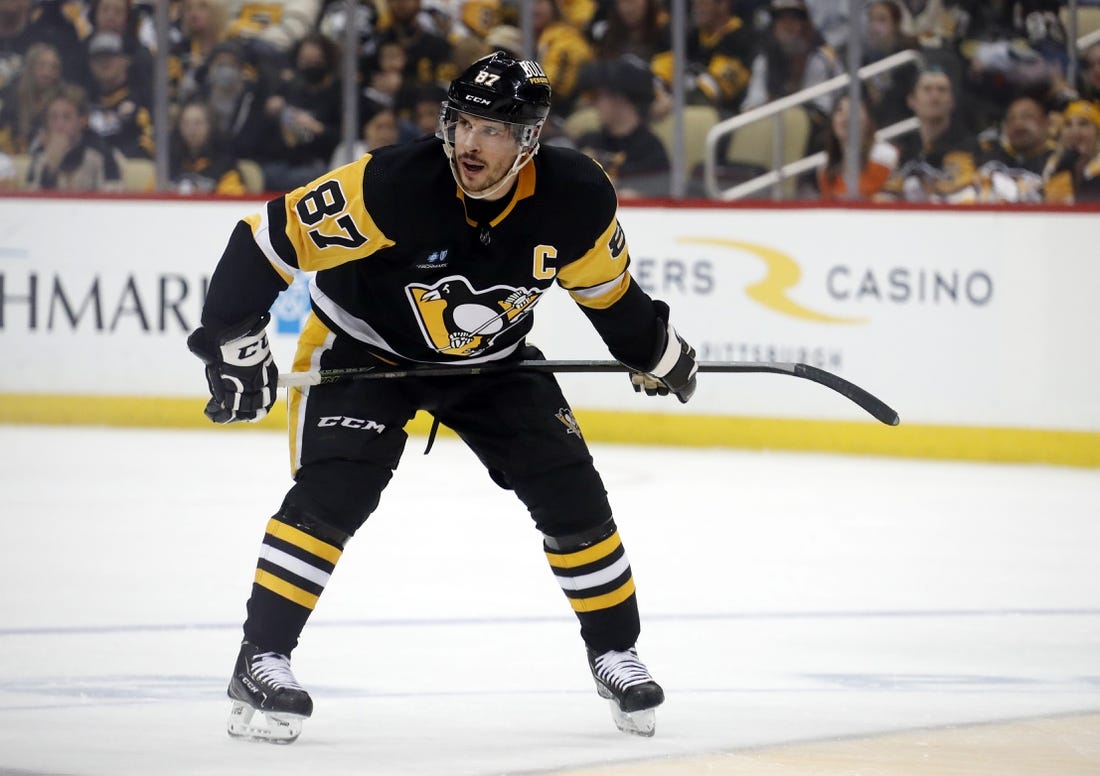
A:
x: 698, y: 119
x: 139, y: 175
x: 251, y: 175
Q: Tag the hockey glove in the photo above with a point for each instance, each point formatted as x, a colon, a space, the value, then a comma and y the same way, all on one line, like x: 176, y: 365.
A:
x: 675, y: 365
x: 240, y: 371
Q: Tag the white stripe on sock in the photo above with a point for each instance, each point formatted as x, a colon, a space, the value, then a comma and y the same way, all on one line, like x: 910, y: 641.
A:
x: 293, y: 565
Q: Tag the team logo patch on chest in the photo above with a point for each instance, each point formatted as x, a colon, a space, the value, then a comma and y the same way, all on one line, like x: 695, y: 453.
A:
x: 458, y: 320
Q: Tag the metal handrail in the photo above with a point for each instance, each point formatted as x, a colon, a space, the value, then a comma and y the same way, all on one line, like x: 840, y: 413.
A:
x: 808, y: 163
x: 1087, y: 40
x: 728, y: 126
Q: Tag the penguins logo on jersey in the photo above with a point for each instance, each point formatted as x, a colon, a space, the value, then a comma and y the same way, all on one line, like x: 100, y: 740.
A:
x: 565, y: 415
x: 456, y: 320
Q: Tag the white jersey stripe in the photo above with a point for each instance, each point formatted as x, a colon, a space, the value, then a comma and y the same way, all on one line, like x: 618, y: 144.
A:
x: 594, y: 292
x: 293, y: 565
x: 596, y: 578
x: 262, y: 235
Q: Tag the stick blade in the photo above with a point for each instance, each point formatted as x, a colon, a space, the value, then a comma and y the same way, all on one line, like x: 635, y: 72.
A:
x: 875, y: 406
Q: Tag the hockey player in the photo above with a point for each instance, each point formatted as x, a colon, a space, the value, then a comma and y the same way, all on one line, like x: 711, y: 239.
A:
x: 410, y: 269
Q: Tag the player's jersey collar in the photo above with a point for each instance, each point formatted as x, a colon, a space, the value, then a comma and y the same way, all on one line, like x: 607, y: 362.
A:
x: 525, y: 187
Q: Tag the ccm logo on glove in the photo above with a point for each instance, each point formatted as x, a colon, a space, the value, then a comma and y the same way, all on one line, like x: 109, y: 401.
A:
x: 240, y: 370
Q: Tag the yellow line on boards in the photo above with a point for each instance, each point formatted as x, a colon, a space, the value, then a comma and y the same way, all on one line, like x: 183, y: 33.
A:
x: 1068, y: 448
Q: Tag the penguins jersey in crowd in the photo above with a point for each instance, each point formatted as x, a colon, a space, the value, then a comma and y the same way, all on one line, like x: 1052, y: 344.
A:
x: 416, y: 272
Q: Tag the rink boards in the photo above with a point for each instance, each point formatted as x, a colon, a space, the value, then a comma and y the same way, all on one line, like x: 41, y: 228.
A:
x: 976, y: 325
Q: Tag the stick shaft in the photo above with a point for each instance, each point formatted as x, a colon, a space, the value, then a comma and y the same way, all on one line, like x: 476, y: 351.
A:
x: 872, y: 404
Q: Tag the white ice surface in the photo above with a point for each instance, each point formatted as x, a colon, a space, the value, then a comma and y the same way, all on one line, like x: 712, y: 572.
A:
x: 785, y: 597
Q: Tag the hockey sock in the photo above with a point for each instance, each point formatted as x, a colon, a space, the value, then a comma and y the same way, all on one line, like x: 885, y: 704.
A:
x: 297, y: 557
x: 594, y: 573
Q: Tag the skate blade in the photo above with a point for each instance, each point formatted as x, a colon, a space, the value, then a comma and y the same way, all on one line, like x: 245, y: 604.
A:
x: 637, y: 723
x: 249, y: 724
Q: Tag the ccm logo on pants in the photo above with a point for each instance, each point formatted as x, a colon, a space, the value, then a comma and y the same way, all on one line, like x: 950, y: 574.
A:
x: 345, y: 422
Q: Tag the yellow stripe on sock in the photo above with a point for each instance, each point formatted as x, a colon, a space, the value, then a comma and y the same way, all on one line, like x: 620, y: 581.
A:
x: 285, y: 589
x: 311, y: 544
x: 574, y: 559
x: 605, y: 601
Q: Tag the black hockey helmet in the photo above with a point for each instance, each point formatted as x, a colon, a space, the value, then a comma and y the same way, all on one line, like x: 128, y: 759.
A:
x: 501, y: 88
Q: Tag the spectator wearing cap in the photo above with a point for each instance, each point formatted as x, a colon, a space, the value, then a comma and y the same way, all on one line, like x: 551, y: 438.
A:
x: 938, y: 162
x: 66, y: 156
x: 719, y: 53
x: 631, y: 154
x: 793, y: 56
x: 1073, y: 172
x: 119, y: 17
x: 236, y: 100
x: 119, y: 112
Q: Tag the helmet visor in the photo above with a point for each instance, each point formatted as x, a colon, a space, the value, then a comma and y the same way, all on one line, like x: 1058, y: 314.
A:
x: 458, y: 126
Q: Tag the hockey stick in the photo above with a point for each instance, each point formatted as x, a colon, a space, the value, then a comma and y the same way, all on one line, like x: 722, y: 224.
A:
x: 872, y: 404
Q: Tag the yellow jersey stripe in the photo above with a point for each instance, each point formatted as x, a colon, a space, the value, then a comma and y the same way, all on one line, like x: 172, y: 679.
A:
x: 583, y: 557
x: 285, y: 589
x: 598, y: 265
x: 605, y: 601
x: 289, y: 533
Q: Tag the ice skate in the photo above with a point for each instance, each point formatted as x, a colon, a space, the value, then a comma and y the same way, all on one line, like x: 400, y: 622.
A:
x: 623, y: 679
x: 268, y: 703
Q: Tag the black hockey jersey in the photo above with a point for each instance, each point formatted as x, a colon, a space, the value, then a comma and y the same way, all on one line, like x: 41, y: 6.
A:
x: 415, y: 272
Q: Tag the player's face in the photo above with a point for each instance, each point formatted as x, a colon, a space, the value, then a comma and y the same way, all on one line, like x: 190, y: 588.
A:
x: 484, y: 152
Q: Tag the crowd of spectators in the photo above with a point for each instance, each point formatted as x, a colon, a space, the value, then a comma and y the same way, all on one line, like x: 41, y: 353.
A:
x: 258, y: 84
